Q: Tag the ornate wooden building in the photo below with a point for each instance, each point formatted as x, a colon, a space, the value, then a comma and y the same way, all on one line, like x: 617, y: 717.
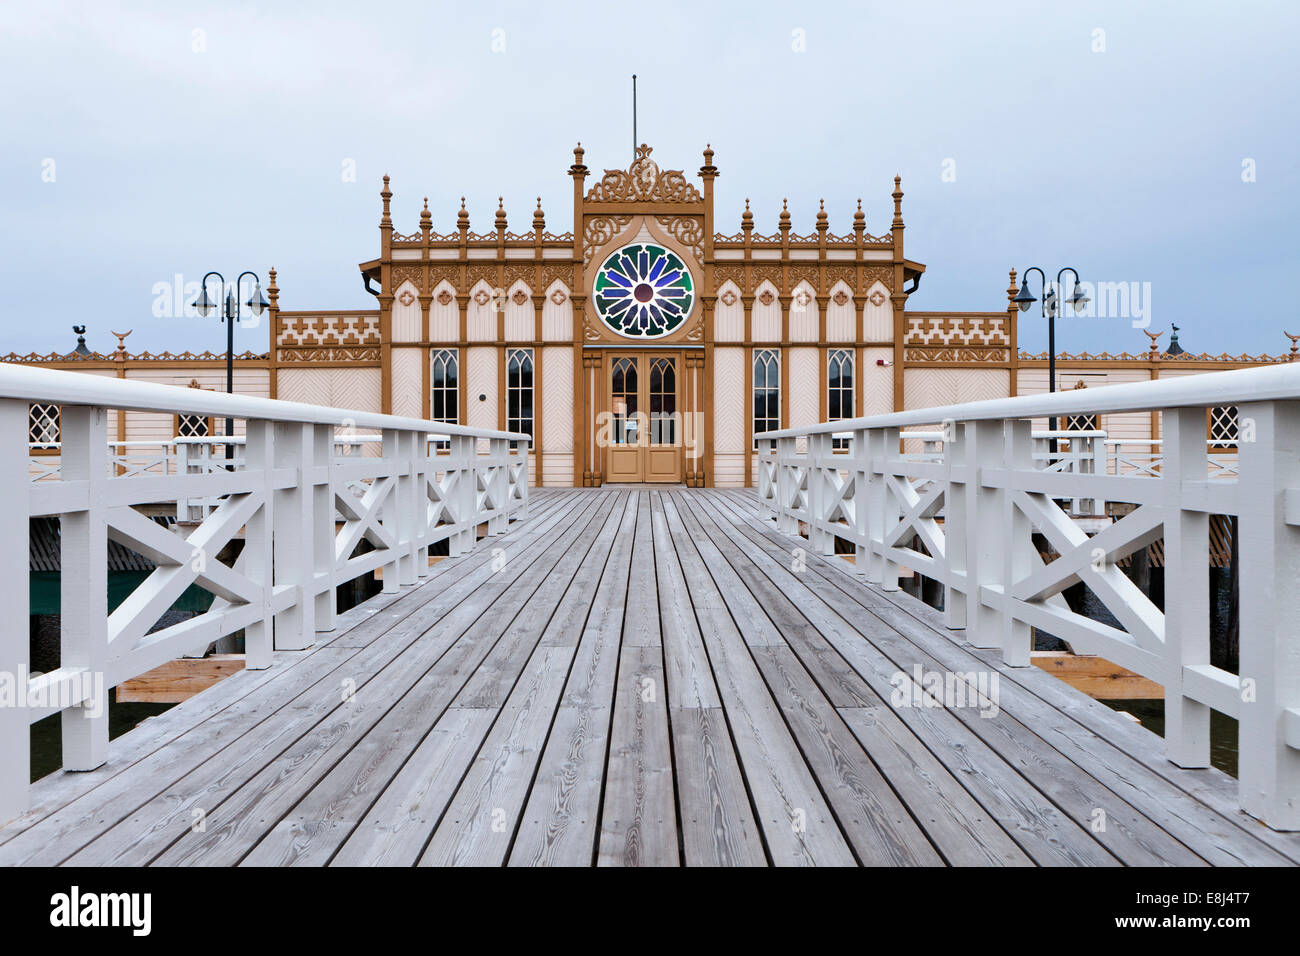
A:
x: 633, y: 348
x: 644, y: 345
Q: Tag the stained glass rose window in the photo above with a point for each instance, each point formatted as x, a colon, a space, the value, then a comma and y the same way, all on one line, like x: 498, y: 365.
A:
x: 643, y: 291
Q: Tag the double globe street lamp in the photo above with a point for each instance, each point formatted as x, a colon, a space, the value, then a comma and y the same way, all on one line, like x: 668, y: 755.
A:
x: 255, y: 303
x: 1050, y: 306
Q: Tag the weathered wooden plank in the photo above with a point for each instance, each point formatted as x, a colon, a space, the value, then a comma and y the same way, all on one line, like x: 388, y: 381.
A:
x: 560, y: 818
x: 1096, y: 676
x: 1027, y: 815
x: 465, y: 574
x: 559, y: 821
x: 873, y: 817
x: 423, y: 682
x: 638, y: 820
x: 720, y: 587
x: 394, y: 829
x: 718, y: 827
x: 959, y: 827
x: 177, y: 681
x: 641, y: 619
x: 477, y: 828
x: 798, y: 826
x: 689, y: 676
x: 493, y: 679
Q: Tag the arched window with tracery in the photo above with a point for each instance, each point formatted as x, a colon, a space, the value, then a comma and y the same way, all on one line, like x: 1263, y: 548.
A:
x: 767, y: 391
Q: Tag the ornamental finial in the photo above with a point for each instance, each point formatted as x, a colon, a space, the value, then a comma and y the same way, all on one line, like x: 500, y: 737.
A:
x: 578, y: 170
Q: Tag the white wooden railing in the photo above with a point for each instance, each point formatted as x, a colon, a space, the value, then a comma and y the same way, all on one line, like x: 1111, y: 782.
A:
x: 302, y: 510
x: 1142, y: 456
x: 992, y: 496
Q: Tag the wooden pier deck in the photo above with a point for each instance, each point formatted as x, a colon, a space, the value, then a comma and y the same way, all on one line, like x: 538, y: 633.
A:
x: 637, y: 677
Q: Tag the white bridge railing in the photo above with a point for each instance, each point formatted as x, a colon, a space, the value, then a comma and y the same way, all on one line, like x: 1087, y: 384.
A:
x: 993, y: 494
x: 299, y: 497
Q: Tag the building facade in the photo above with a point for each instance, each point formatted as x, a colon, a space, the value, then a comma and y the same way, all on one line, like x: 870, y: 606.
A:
x: 645, y: 345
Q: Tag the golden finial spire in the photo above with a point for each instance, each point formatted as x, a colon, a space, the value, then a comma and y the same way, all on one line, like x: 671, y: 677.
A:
x: 539, y: 218
x: 708, y: 170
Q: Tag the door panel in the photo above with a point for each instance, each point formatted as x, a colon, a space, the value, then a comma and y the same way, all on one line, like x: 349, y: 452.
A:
x: 645, y: 433
x: 625, y: 430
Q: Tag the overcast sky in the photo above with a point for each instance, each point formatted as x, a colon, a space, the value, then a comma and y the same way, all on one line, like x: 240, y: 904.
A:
x: 1149, y: 143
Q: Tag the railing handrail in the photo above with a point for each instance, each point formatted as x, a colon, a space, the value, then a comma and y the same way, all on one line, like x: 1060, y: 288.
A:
x: 44, y: 386
x: 1272, y: 383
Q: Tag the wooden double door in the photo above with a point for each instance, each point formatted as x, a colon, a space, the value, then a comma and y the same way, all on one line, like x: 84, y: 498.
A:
x: 644, y: 438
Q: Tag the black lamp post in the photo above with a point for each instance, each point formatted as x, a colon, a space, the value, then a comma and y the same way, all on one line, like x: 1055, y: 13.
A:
x: 256, y: 304
x: 1049, y: 308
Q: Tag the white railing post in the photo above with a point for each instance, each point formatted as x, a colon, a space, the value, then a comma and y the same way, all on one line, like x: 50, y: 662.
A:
x: 323, y: 527
x: 464, y: 493
x: 1187, y: 586
x: 294, y: 549
x: 820, y: 541
x: 787, y: 481
x: 259, y: 640
x: 15, y: 624
x: 983, y: 449
x: 1268, y: 490
x: 83, y: 591
x: 956, y: 473
x: 1015, y: 637
x: 422, y: 468
x: 498, y: 486
x: 860, y: 462
x: 182, y: 468
x: 517, y: 472
x: 874, y: 504
x: 406, y: 503
x: 392, y: 507
x: 888, y: 513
